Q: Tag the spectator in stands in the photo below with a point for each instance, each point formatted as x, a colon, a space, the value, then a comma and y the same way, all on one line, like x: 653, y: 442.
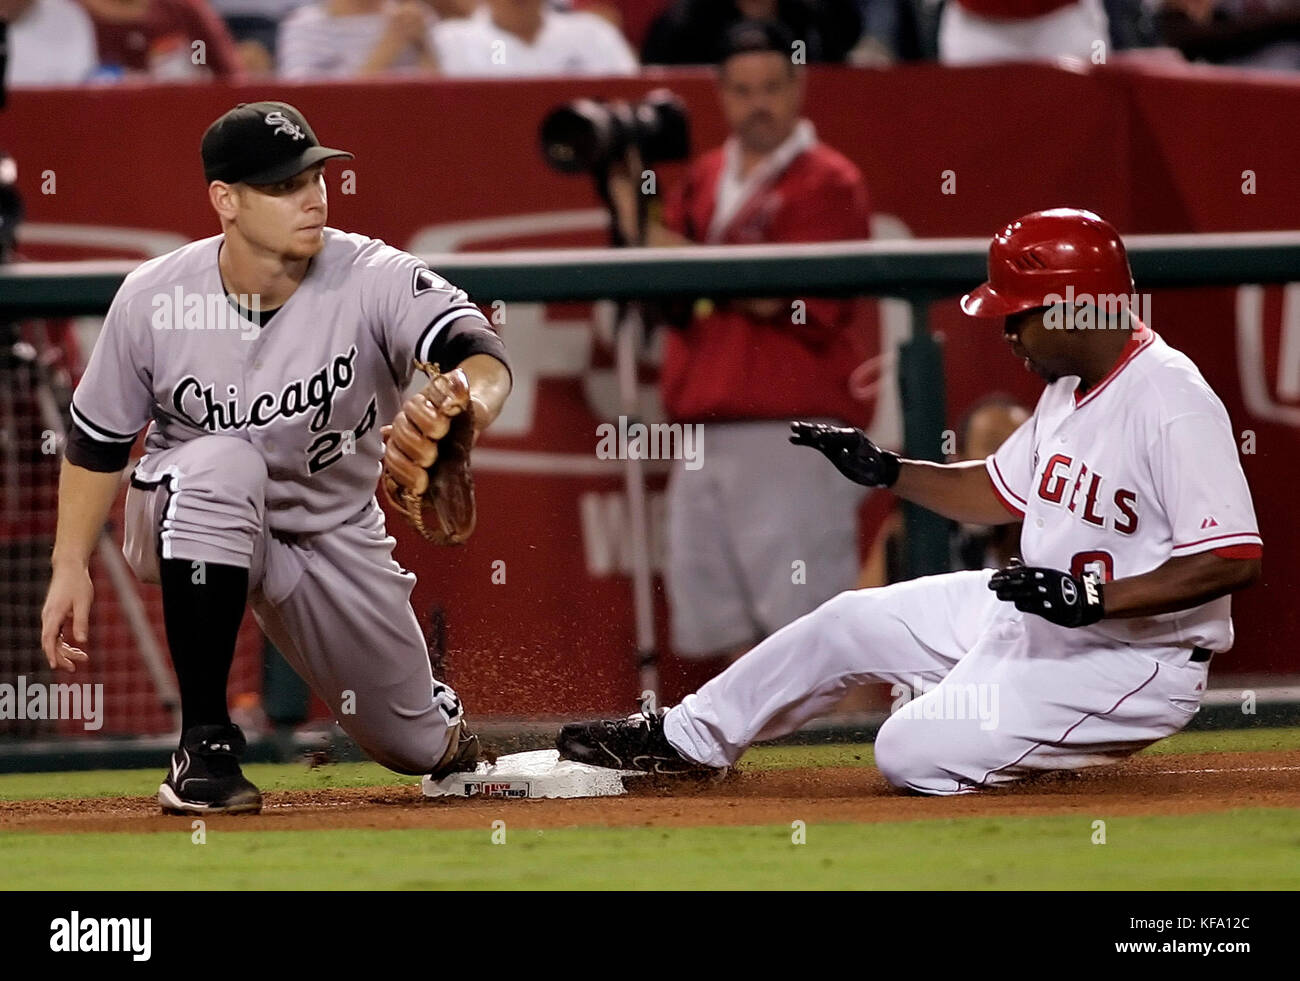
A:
x: 631, y: 17
x: 693, y: 32
x: 983, y: 31
x: 756, y: 537
x: 1132, y: 24
x: 163, y: 39
x: 881, y: 37
x: 254, y: 25
x: 983, y: 428
x: 356, y: 38
x: 1245, y: 33
x: 51, y: 42
x: 512, y: 38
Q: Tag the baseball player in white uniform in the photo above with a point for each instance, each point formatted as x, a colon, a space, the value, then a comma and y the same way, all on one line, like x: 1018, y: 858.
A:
x: 265, y: 361
x: 1137, y: 525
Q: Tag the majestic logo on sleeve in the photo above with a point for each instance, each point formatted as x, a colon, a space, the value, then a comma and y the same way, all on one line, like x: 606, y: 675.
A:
x: 200, y: 405
x: 425, y: 280
x: 1083, y: 492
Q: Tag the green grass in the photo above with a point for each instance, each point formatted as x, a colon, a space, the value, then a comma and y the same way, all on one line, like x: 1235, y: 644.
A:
x: 1242, y: 849
x: 1229, y: 741
x: 144, y: 783
x: 1248, y: 849
x: 294, y: 776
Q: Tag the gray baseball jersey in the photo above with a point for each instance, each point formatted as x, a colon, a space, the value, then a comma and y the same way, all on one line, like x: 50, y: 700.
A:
x: 309, y: 389
x: 264, y: 452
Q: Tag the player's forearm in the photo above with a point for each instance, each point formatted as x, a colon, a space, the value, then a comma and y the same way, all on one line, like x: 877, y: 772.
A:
x: 1179, y: 584
x: 489, y: 384
x: 85, y: 497
x: 959, y: 491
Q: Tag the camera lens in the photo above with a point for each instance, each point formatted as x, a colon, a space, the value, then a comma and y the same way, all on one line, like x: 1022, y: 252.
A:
x: 576, y: 137
x: 585, y: 136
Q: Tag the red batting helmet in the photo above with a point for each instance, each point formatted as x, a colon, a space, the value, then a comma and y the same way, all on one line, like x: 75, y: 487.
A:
x: 1043, y: 253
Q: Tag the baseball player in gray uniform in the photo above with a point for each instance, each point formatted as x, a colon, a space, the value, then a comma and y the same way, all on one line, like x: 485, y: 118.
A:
x: 265, y: 362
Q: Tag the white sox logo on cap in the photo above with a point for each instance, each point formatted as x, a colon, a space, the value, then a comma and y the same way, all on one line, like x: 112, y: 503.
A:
x: 284, y: 124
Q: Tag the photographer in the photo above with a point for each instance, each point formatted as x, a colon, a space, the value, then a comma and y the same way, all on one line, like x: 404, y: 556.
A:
x: 755, y: 539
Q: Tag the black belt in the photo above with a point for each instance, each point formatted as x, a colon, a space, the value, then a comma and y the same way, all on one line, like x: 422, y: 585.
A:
x: 1200, y: 655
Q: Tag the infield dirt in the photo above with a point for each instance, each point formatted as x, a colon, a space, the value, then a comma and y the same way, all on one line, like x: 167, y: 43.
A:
x: 1148, y: 785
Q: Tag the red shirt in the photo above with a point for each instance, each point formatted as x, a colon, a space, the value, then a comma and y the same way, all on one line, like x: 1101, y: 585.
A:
x: 1014, y: 9
x: 726, y: 366
x: 161, y: 42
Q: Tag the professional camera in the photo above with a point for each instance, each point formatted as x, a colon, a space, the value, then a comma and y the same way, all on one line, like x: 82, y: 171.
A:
x: 587, y: 135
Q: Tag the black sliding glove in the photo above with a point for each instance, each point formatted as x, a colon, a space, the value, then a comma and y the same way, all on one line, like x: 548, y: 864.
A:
x: 1070, y: 601
x: 855, y: 456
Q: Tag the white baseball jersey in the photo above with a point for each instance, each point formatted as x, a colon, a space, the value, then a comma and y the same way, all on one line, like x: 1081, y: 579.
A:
x: 310, y: 388
x: 1140, y: 469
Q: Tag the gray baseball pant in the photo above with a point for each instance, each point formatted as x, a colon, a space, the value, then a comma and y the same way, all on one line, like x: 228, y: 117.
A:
x: 335, y: 603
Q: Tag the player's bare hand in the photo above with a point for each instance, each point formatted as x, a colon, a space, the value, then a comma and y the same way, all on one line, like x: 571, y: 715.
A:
x: 417, y: 428
x: 426, y: 417
x: 402, y: 464
x: 67, y: 605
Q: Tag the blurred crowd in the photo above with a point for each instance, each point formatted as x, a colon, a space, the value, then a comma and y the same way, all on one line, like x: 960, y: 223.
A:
x: 62, y: 42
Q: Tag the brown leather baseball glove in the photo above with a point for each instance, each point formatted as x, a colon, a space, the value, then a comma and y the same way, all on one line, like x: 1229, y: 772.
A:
x: 426, y: 458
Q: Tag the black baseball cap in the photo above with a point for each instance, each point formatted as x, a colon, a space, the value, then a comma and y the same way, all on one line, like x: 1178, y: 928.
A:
x: 261, y: 143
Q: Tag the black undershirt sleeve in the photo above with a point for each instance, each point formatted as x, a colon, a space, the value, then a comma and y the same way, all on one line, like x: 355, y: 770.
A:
x: 463, y: 338
x: 94, y: 454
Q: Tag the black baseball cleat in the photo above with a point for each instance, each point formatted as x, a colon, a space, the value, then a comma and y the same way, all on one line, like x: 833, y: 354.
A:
x: 205, y: 777
x: 461, y: 756
x: 635, y: 743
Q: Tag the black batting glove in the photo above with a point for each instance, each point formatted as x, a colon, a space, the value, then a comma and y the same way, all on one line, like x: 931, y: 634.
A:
x: 855, y: 456
x: 1066, y: 600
